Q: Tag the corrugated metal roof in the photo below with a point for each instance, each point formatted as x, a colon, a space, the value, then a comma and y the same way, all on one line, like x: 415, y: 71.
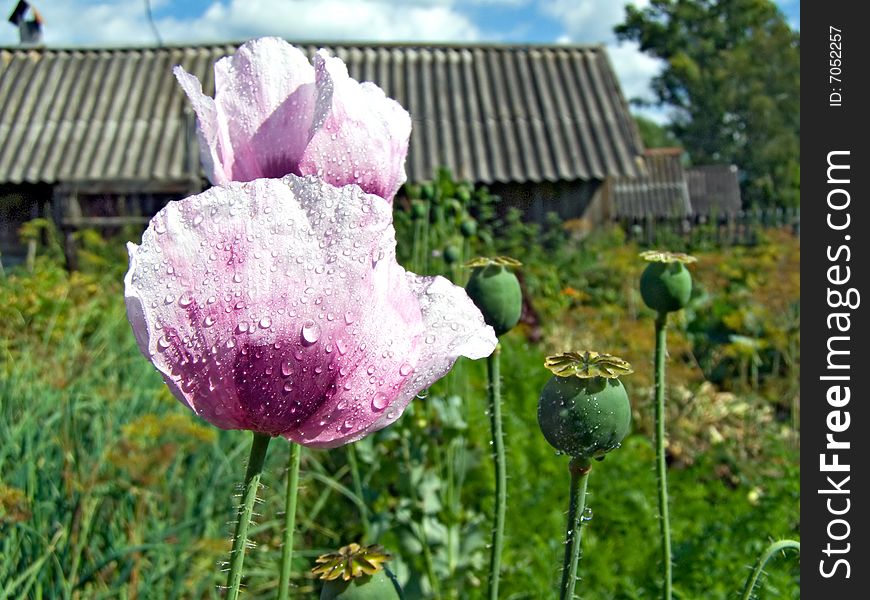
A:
x: 714, y: 189
x: 661, y: 191
x: 489, y: 113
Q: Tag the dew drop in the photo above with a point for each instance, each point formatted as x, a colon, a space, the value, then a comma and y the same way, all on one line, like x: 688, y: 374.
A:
x: 185, y: 300
x: 310, y: 332
x: 163, y: 343
x: 429, y: 339
x: 197, y: 219
x: 211, y: 300
x: 209, y: 321
x: 265, y: 322
x: 379, y: 402
x: 288, y: 385
x: 348, y: 318
x: 168, y: 299
x: 242, y: 327
x: 286, y: 369
x: 237, y: 278
x: 405, y: 370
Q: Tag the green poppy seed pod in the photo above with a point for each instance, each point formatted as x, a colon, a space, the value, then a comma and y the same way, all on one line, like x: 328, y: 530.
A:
x: 454, y: 205
x: 427, y: 191
x: 496, y: 292
x: 584, y: 417
x: 452, y: 254
x: 666, y: 287
x: 418, y: 210
x: 468, y: 228
x: 379, y: 586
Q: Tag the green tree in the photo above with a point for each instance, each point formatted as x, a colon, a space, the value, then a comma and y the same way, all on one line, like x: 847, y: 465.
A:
x: 655, y: 135
x: 733, y: 79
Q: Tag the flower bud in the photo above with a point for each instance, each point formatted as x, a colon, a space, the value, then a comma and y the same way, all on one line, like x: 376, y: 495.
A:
x: 584, y: 410
x: 468, y: 228
x: 452, y: 254
x: 496, y: 291
x: 666, y: 284
x: 427, y: 191
x: 418, y: 210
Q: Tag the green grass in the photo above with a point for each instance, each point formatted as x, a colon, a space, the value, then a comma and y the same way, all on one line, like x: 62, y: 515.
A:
x: 109, y: 488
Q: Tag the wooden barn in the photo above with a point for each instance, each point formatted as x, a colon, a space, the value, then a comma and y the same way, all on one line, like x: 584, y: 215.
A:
x: 92, y: 136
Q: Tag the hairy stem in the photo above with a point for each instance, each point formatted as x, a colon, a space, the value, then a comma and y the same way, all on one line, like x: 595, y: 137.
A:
x: 661, y: 465
x: 289, y: 520
x: 249, y: 496
x: 579, y: 469
x: 492, y: 363
x: 768, y: 553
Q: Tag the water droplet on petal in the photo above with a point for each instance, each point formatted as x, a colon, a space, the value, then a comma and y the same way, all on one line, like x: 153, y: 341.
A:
x: 348, y: 318
x: 197, y: 219
x: 429, y: 339
x: 168, y: 299
x: 209, y: 321
x: 163, y: 343
x: 265, y: 322
x: 379, y: 402
x: 405, y: 370
x: 310, y: 331
x: 237, y: 278
x: 286, y: 369
x: 242, y: 327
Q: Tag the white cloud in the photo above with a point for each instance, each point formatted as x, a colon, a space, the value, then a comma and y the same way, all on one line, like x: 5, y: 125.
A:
x: 634, y: 69
x: 123, y: 22
x: 590, y: 20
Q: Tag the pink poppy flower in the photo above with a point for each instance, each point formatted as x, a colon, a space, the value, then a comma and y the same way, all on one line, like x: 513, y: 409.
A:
x: 275, y: 114
x: 278, y: 306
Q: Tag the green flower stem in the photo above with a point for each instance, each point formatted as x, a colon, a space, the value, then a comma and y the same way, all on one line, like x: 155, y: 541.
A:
x: 768, y: 553
x: 358, y: 490
x: 579, y: 469
x: 661, y: 465
x: 289, y: 520
x: 417, y: 528
x: 249, y: 496
x: 492, y: 363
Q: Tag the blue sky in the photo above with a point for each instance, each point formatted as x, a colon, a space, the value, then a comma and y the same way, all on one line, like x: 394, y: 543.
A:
x: 124, y: 22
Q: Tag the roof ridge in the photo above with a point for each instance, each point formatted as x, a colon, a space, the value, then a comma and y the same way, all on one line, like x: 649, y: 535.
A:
x: 321, y: 43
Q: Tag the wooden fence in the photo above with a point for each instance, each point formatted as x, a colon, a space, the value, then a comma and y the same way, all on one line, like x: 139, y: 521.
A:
x: 736, y: 229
